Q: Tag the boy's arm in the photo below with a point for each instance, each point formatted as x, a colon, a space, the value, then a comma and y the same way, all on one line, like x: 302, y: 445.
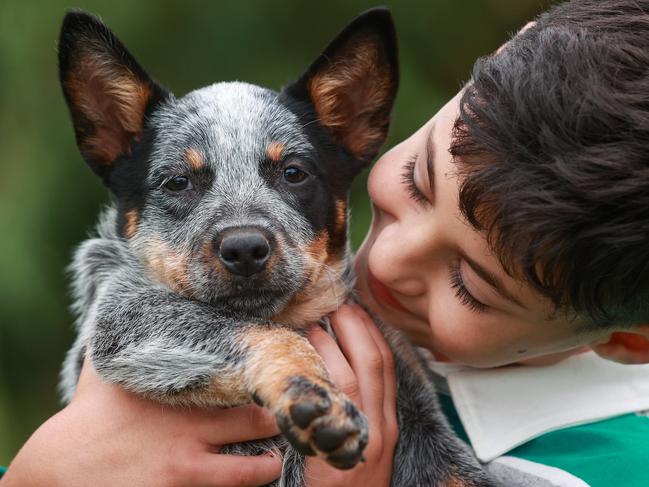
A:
x: 107, y: 436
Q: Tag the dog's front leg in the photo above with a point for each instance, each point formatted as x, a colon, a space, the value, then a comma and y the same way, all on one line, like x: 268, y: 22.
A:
x: 179, y: 351
x: 288, y: 376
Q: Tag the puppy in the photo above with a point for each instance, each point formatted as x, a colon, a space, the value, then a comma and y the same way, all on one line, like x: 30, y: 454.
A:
x: 228, y: 235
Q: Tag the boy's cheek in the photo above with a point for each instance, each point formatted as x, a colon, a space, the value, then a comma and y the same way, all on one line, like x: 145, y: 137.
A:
x: 465, y: 347
x: 482, y: 349
x: 507, y: 351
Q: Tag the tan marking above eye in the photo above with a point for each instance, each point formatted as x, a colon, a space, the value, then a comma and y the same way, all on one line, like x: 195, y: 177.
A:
x: 195, y: 158
x: 274, y: 151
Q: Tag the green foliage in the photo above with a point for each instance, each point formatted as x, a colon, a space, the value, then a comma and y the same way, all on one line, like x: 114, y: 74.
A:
x: 48, y: 197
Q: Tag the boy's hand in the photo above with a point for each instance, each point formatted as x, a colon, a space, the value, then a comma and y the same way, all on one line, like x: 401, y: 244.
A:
x: 107, y: 436
x: 363, y: 368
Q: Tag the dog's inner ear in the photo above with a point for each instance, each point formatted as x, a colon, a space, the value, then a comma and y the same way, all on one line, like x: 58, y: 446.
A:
x: 353, y: 84
x: 107, y: 92
x: 110, y: 102
x: 350, y: 98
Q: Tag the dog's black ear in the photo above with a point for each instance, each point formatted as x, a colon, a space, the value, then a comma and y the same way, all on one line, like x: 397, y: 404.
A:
x: 107, y: 91
x: 353, y: 83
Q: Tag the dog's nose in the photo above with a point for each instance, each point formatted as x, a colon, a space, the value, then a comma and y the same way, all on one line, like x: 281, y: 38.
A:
x: 244, y: 251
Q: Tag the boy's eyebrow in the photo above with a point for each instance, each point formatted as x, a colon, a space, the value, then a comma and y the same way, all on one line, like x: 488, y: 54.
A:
x: 492, y: 280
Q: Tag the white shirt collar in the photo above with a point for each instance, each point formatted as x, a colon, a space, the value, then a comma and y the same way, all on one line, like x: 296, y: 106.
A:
x: 504, y: 407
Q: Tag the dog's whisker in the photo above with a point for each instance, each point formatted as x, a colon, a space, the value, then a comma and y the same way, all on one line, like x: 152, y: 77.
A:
x: 316, y: 120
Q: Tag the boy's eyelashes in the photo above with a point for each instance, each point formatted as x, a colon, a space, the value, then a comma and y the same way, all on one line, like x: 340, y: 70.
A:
x: 408, y: 179
x: 455, y: 274
x: 461, y: 292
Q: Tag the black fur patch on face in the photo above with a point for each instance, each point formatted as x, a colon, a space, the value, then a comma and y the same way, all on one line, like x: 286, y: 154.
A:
x: 127, y: 180
x: 334, y: 170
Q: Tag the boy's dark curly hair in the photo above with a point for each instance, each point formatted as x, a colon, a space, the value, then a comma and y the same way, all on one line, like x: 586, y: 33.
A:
x: 552, y: 147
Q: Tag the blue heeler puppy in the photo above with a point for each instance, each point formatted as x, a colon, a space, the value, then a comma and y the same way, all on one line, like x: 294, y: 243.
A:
x: 228, y: 235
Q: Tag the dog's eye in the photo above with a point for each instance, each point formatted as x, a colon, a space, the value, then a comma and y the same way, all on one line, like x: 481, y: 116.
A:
x: 178, y: 183
x: 294, y: 175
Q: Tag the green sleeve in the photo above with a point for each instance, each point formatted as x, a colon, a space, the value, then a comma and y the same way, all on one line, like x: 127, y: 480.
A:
x: 604, y: 453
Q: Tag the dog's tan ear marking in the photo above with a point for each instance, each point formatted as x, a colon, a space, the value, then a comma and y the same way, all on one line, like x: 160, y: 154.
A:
x: 195, y: 159
x: 353, y: 83
x: 108, y: 93
x: 274, y: 151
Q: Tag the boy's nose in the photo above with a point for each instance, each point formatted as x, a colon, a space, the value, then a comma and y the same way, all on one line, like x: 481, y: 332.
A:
x: 243, y: 251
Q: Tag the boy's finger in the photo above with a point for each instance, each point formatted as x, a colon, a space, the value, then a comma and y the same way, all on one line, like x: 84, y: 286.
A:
x: 390, y: 427
x: 365, y: 358
x: 339, y: 369
x: 233, y: 425
x: 236, y: 471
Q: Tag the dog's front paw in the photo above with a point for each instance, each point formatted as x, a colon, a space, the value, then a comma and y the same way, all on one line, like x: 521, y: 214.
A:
x: 319, y: 420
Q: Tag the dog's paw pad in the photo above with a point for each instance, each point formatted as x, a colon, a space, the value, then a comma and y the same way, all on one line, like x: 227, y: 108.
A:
x: 327, y: 439
x: 319, y: 420
x: 303, y: 413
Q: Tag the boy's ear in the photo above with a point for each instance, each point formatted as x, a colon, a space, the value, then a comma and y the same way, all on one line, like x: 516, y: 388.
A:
x: 107, y: 91
x: 353, y: 83
x: 625, y: 347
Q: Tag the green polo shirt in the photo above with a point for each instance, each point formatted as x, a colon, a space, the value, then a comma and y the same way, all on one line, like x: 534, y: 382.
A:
x: 609, y: 453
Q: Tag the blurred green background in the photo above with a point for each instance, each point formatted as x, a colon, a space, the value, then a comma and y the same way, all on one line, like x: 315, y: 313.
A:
x: 48, y: 197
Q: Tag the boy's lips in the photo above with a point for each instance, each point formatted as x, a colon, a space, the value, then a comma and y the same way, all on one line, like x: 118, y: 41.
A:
x: 381, y: 293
